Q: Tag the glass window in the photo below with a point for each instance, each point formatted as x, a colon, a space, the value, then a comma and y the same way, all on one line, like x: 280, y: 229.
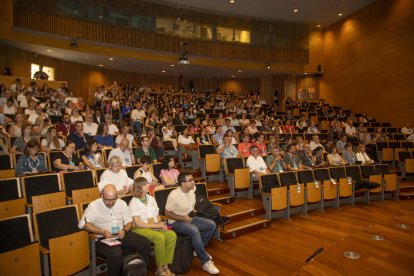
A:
x: 224, y: 34
x: 165, y: 26
x: 205, y: 32
x: 242, y: 36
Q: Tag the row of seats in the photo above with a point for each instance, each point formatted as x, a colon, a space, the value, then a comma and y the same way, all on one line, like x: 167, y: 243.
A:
x: 57, y: 238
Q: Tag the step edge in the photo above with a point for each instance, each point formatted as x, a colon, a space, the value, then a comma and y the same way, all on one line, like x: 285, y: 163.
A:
x: 245, y: 226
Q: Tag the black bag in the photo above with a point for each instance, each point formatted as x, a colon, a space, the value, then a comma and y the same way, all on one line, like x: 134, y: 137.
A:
x: 205, y: 209
x: 183, y: 256
x: 133, y: 265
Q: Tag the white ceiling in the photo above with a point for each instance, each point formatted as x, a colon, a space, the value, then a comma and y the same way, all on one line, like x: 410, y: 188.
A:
x: 323, y: 12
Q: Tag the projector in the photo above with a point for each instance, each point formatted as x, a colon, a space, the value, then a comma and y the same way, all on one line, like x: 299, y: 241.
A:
x: 183, y: 60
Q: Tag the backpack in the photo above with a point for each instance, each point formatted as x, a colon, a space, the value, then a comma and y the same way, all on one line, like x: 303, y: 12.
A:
x: 133, y: 265
x: 183, y: 256
x: 205, y: 209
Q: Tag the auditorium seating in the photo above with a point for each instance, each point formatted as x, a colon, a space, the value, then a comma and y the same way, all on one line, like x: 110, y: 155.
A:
x: 11, y: 201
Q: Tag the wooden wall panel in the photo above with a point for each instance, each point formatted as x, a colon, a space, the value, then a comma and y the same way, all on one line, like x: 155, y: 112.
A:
x: 369, y: 61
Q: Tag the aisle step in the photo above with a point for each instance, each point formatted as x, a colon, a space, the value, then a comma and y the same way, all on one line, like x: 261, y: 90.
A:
x: 222, y: 199
x: 407, y: 192
x: 243, y: 227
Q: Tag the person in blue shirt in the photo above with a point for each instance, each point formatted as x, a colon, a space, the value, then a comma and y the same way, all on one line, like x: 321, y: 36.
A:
x: 102, y: 138
x: 79, y: 137
x: 31, y: 162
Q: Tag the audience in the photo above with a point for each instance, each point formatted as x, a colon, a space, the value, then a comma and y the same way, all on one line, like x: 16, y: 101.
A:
x: 188, y: 144
x: 67, y: 160
x: 79, y: 136
x: 244, y: 146
x: 92, y: 158
x: 20, y: 143
x: 334, y: 158
x: 274, y: 161
x: 31, y: 162
x: 349, y: 155
x: 291, y: 160
x: 116, y: 176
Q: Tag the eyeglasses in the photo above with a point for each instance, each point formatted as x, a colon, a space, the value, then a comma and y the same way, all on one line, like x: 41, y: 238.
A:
x: 190, y: 181
x: 109, y: 200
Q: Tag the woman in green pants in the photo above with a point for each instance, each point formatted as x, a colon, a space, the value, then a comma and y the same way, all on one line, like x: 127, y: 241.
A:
x: 144, y: 211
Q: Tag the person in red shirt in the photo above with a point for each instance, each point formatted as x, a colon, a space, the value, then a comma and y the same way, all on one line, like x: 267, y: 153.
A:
x: 244, y: 146
x: 66, y: 127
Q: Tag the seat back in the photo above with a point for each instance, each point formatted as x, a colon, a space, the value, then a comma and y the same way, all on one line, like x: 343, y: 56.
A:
x: 213, y: 162
x: 203, y: 150
x: 288, y: 178
x: 409, y: 165
x: 233, y: 163
x: 268, y: 181
x: 6, y: 166
x: 85, y: 195
x: 10, y: 189
x: 337, y: 172
x: 126, y: 198
x: 161, y: 199
x: 77, y: 180
x: 15, y: 232
x: 390, y: 182
x: 130, y: 170
x: 367, y: 171
x: 407, y: 144
x: 314, y: 191
x: 353, y: 172
x: 98, y: 174
x: 201, y: 189
x: 39, y: 185
x: 48, y: 201
x: 382, y: 168
x: 403, y: 155
x: 321, y: 174
x: 52, y: 157
x: 242, y: 178
x: 156, y: 170
x: 55, y: 223
x: 305, y: 176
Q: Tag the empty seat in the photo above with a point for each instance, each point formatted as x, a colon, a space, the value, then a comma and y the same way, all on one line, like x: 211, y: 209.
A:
x: 19, y: 255
x: 61, y: 239
x: 346, y: 188
x: 313, y: 189
x: 6, y: 166
x: 354, y: 173
x: 329, y: 187
x: 161, y: 199
x: 11, y: 201
x: 130, y: 170
x: 77, y: 180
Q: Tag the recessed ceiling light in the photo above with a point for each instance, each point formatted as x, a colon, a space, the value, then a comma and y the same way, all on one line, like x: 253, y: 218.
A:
x: 232, y: 1
x: 318, y: 26
x: 305, y: 73
x: 100, y: 65
x: 49, y: 50
x: 163, y: 71
x: 172, y: 65
x: 340, y: 14
x: 295, y: 10
x: 240, y: 70
x: 111, y: 58
x: 232, y: 76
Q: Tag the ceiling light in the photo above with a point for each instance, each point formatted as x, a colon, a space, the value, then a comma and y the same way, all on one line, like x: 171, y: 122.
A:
x: 232, y: 1
x: 340, y: 14
x: 183, y: 60
x: 232, y: 76
x: 49, y: 50
x: 268, y: 66
x: 163, y: 71
x: 172, y: 65
x: 318, y: 26
x: 111, y: 58
x: 305, y: 73
x: 295, y: 10
x: 240, y: 70
x: 100, y: 65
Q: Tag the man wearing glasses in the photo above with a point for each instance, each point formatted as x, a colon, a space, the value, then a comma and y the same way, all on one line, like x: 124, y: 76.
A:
x: 145, y: 149
x: 180, y: 210
x: 109, y: 217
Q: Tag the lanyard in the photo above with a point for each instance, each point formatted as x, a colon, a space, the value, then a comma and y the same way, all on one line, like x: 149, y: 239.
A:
x: 35, y: 164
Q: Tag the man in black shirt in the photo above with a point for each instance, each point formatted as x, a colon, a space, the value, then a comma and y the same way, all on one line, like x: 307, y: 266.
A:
x: 40, y: 75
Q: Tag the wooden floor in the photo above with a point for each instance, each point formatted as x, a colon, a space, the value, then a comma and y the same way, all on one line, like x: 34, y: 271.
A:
x: 283, y: 248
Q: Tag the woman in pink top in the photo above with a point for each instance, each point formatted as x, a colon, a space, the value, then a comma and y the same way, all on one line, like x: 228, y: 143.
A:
x: 244, y: 147
x: 169, y: 173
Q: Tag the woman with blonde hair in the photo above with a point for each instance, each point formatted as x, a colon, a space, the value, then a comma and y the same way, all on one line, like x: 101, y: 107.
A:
x: 147, y: 222
x: 116, y: 176
x: 51, y: 141
x: 362, y: 155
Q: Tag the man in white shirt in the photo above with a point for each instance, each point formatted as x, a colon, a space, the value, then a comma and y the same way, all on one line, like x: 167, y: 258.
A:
x: 126, y: 135
x: 17, y: 86
x: 227, y: 126
x: 233, y: 120
x: 89, y: 127
x: 38, y: 112
x: 180, y: 211
x: 137, y: 118
x: 109, y: 218
x: 112, y: 128
x: 124, y: 153
x: 256, y: 164
x: 407, y: 129
x: 315, y: 143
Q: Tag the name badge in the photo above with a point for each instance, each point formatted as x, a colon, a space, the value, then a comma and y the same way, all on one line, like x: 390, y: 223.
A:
x: 316, y: 184
x: 71, y: 163
x: 333, y: 181
x: 115, y: 229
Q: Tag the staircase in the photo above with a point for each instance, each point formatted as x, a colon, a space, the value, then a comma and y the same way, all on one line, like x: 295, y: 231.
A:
x: 245, y: 215
x: 407, y: 190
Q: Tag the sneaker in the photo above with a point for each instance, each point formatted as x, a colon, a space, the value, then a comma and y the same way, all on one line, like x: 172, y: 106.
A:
x: 210, y: 268
x: 195, y: 255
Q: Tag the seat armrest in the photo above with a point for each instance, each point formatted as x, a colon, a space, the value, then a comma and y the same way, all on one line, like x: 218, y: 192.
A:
x: 44, y: 251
